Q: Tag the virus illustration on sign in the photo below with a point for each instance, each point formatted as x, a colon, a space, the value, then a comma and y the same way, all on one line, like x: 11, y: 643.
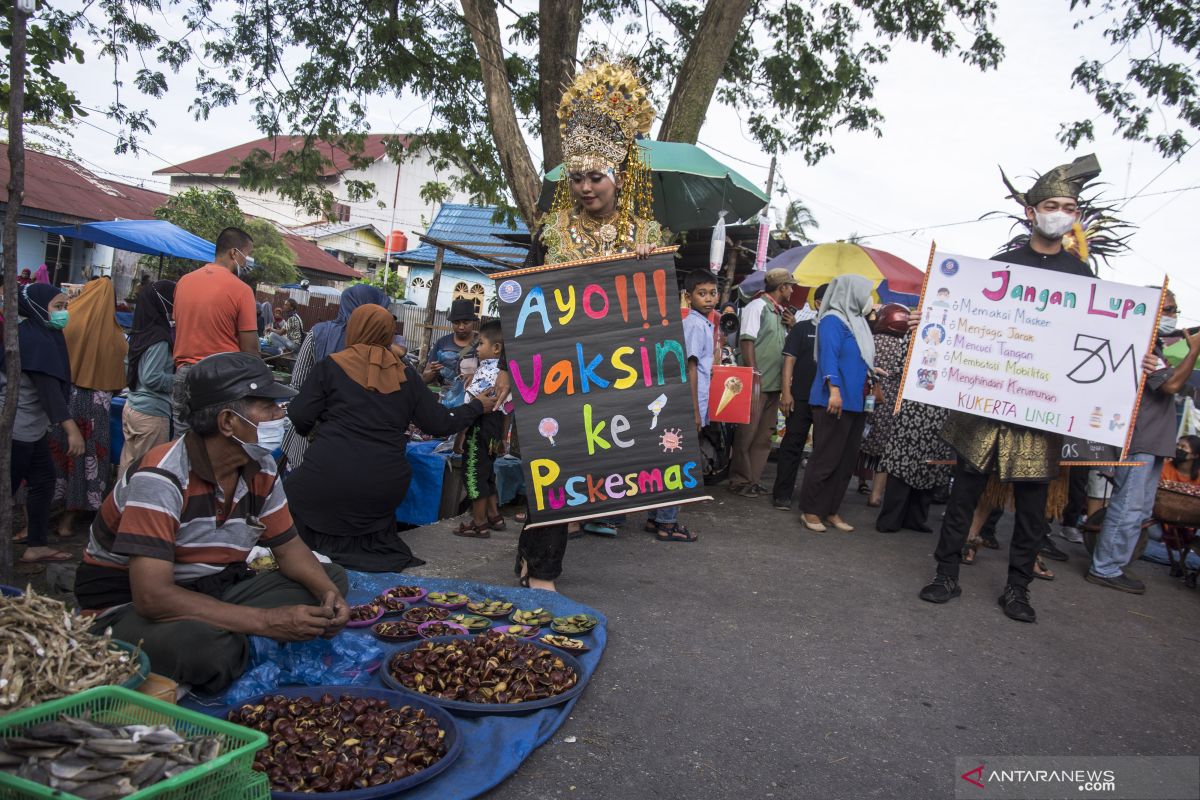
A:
x: 671, y: 440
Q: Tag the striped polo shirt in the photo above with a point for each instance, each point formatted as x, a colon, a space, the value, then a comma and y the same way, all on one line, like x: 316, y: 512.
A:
x: 172, y: 508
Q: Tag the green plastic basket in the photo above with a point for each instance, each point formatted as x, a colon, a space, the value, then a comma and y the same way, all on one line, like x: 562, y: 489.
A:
x: 229, y: 776
x: 257, y: 787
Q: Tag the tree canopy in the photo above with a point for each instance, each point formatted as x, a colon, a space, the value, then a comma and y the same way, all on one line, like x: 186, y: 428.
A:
x: 794, y: 71
x: 207, y: 213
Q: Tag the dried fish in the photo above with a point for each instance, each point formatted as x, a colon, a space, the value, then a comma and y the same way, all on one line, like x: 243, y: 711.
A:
x: 47, y: 652
x: 98, y: 761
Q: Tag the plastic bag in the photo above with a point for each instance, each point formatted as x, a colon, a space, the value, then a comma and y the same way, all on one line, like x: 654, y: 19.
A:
x: 348, y: 659
x: 716, y: 249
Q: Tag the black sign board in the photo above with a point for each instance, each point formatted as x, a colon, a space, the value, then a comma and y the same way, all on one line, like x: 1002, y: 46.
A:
x: 595, y: 351
x: 1079, y: 450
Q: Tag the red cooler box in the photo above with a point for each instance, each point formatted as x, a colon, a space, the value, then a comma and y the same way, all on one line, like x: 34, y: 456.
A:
x: 731, y: 394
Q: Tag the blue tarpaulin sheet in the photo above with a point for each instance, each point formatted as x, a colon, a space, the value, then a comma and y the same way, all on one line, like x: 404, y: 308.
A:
x: 154, y: 237
x: 495, y: 745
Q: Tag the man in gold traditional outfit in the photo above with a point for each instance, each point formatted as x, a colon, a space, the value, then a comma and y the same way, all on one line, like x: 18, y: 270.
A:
x: 602, y: 206
x: 1025, y: 458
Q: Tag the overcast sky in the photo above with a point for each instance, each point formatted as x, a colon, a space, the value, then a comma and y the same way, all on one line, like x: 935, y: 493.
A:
x: 947, y: 128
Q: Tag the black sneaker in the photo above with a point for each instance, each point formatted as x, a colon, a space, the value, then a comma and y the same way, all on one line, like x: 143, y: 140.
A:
x: 1015, y: 602
x: 1050, y: 550
x: 782, y: 505
x: 1122, y: 583
x: 942, y: 590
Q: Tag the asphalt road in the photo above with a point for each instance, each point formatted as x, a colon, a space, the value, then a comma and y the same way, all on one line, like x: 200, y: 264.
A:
x: 766, y: 661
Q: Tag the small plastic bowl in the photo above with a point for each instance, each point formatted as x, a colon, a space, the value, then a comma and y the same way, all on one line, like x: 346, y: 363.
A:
x: 582, y: 648
x: 543, y: 619
x: 558, y: 622
x: 451, y: 606
x: 448, y: 629
x: 410, y: 599
x: 491, y: 615
x: 365, y: 623
x: 383, y: 637
x: 397, y: 608
x: 415, y: 613
x: 472, y: 622
x: 527, y: 632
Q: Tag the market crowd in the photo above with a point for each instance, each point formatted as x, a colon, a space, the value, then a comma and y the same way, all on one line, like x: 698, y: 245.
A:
x: 219, y: 457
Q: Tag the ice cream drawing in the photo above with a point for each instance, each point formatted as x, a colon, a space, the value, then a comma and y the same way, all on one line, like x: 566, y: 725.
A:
x: 733, y: 387
x: 548, y: 427
x: 656, y: 408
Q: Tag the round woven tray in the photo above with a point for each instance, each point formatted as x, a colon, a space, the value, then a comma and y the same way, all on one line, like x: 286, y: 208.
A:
x: 1177, y: 504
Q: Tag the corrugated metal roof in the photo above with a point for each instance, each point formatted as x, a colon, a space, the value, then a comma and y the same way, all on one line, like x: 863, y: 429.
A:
x: 217, y: 163
x: 472, y: 227
x: 310, y: 256
x: 319, y: 230
x: 63, y: 187
x: 58, y: 186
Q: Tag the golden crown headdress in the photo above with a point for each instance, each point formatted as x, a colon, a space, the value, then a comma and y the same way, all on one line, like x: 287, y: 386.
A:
x: 600, y: 115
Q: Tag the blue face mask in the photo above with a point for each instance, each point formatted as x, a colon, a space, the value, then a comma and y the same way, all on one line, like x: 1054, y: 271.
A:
x: 270, y: 435
x: 58, y: 319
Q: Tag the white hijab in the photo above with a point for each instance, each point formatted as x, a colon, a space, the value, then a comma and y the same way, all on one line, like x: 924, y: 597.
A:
x: 849, y: 299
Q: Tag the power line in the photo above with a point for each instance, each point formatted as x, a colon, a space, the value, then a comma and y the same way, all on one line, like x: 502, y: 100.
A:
x: 1159, y: 175
x: 989, y: 219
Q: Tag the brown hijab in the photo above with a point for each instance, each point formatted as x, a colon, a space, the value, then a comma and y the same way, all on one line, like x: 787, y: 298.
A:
x: 366, y: 360
x: 95, y: 342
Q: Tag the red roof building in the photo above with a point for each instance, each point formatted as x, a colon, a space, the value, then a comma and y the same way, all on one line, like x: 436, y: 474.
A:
x: 58, y: 190
x: 69, y: 192
x: 219, y: 163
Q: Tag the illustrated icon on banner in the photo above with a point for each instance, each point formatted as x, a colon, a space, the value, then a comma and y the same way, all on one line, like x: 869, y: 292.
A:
x: 656, y: 408
x: 671, y: 440
x: 548, y: 427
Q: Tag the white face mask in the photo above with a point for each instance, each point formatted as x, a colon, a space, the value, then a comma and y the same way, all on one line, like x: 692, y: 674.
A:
x: 1167, y: 324
x: 269, y: 434
x: 1053, y: 225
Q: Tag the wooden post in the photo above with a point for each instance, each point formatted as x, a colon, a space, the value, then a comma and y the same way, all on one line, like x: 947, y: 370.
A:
x: 12, y: 352
x: 770, y: 181
x: 431, y: 306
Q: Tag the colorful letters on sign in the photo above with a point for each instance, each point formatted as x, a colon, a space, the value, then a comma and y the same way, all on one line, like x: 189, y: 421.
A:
x: 1031, y: 347
x: 599, y: 369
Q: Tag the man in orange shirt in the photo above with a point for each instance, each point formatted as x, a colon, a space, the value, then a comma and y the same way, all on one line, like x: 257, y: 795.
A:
x: 214, y: 313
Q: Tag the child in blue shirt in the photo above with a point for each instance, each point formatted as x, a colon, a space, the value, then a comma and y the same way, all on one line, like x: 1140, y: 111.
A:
x: 698, y: 341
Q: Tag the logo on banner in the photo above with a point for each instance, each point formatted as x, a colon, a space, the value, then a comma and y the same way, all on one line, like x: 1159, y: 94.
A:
x: 950, y: 267
x: 509, y: 291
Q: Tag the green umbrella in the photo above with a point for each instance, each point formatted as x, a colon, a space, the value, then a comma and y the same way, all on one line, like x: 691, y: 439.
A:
x: 690, y: 187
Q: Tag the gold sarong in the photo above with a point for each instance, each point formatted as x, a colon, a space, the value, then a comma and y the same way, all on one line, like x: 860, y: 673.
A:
x: 1013, y: 452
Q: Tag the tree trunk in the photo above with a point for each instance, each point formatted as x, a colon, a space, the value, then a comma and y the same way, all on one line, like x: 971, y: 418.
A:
x: 435, y: 285
x: 12, y: 353
x: 515, y: 161
x: 701, y: 69
x: 559, y: 22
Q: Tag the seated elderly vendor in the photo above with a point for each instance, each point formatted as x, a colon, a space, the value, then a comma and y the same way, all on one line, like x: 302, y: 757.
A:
x: 166, y: 561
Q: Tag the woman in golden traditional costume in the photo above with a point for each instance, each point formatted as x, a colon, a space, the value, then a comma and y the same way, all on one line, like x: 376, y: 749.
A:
x: 602, y: 207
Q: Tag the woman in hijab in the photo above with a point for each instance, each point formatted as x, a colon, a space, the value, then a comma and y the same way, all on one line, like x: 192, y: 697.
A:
x: 41, y: 402
x: 96, y: 347
x: 845, y: 352
x: 325, y: 339
x: 360, y: 402
x: 150, y: 373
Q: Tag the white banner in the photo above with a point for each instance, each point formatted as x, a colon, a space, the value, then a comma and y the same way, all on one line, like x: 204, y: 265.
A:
x: 1031, y: 347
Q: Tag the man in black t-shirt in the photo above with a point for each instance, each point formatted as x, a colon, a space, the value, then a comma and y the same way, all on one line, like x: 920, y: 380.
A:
x: 799, y: 370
